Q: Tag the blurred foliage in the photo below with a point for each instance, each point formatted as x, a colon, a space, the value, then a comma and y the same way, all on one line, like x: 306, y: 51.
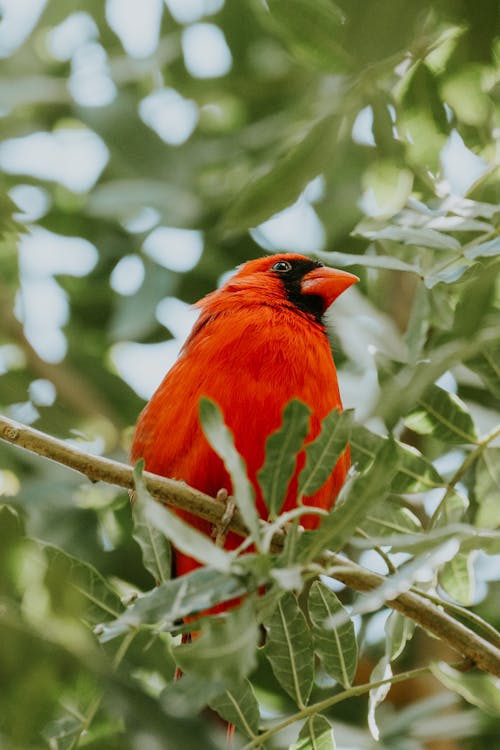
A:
x: 382, y: 119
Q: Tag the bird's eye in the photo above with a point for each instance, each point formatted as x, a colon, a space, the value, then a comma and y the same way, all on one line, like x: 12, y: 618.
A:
x: 282, y: 266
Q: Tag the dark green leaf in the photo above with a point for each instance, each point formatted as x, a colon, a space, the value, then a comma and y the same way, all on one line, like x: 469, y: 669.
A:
x: 487, y: 365
x: 312, y: 31
x: 226, y: 647
x: 487, y: 488
x: 444, y: 416
x: 390, y: 518
x: 456, y: 577
x: 323, y: 453
x: 282, y: 447
x: 238, y: 705
x: 316, y: 734
x: 354, y: 501
x: 479, y: 689
x: 102, y: 603
x: 282, y: 184
x: 337, y: 646
x: 414, y: 472
x: 289, y: 649
x: 165, y: 605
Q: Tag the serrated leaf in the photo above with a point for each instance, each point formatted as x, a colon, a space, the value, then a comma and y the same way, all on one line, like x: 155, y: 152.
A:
x: 282, y: 447
x: 444, y: 416
x: 323, y: 453
x: 414, y: 472
x: 316, y: 734
x: 289, y: 649
x: 479, y: 689
x: 155, y: 548
x: 456, y: 577
x: 103, y: 602
x: 185, y: 538
x: 168, y: 603
x: 336, y: 646
x: 226, y: 647
x: 221, y: 440
x: 238, y: 705
x: 487, y: 488
x: 354, y: 501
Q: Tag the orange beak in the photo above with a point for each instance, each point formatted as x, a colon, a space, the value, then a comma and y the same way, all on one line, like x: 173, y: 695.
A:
x: 327, y: 283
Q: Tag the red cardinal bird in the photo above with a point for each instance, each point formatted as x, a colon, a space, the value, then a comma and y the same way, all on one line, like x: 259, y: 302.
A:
x: 259, y: 342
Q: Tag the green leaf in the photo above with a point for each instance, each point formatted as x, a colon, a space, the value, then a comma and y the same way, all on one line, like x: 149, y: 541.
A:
x: 390, y: 518
x: 226, y: 647
x: 381, y: 671
x: 189, y: 696
x: 289, y: 649
x: 484, y: 249
x: 185, y: 537
x: 238, y: 705
x: 414, y: 472
x: 102, y: 602
x: 479, y: 689
x: 155, y: 547
x: 336, y: 646
x: 316, y: 734
x: 456, y: 577
x: 64, y: 733
x: 487, y: 488
x: 282, y: 184
x: 398, y: 631
x: 221, y: 440
x: 354, y: 501
x: 312, y: 31
x: 487, y: 365
x: 282, y: 447
x: 387, y: 262
x: 413, y: 236
x: 419, y: 323
x: 444, y: 416
x: 323, y: 453
x: 168, y: 603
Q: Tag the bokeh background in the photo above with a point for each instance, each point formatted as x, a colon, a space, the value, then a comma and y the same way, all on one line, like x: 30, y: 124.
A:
x: 149, y: 147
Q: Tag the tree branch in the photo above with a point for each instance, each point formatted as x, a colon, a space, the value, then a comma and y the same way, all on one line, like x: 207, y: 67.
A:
x: 178, y: 494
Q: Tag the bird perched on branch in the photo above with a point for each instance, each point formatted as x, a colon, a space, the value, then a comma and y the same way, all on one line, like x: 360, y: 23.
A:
x: 259, y: 342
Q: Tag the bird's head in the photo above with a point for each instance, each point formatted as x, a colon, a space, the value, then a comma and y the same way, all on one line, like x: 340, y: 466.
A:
x: 293, y: 279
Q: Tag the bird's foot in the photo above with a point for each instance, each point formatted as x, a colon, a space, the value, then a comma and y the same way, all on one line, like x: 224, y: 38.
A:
x: 220, y: 531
